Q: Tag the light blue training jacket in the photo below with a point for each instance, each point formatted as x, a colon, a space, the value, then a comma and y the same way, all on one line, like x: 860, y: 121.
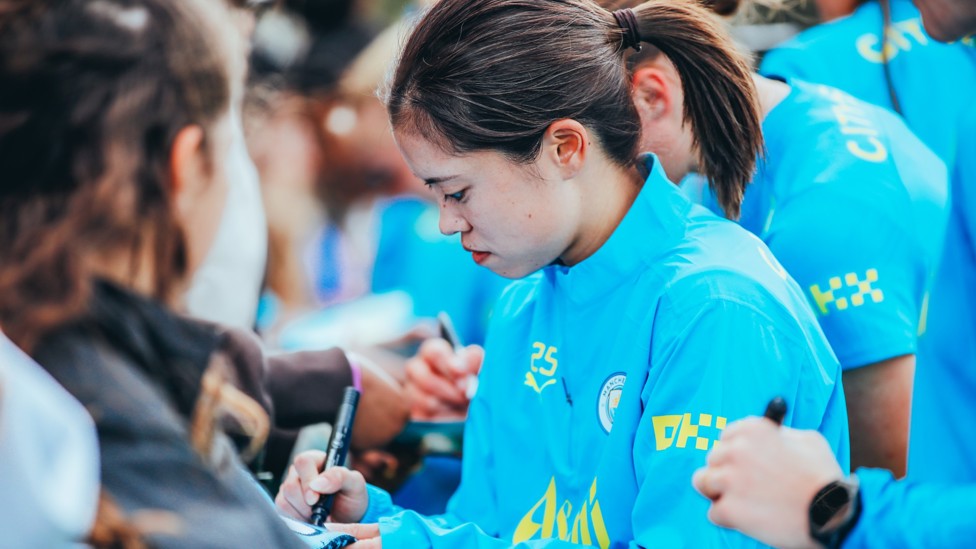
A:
x: 606, y: 383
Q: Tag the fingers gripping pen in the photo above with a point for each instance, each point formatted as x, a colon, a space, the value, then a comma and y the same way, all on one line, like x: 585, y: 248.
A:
x: 450, y: 335
x: 338, y: 448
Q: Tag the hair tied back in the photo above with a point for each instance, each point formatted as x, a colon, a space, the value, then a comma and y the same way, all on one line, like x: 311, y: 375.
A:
x: 627, y: 20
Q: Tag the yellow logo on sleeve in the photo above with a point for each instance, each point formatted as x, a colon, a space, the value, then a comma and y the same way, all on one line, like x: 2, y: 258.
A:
x: 545, y: 521
x: 858, y: 292
x: 862, y: 135
x: 678, y: 431
x: 542, y: 367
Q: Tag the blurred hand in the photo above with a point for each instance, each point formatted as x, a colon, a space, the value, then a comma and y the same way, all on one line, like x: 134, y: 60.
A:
x: 304, y: 484
x: 383, y: 408
x: 762, y: 478
x: 367, y: 534
x: 438, y: 378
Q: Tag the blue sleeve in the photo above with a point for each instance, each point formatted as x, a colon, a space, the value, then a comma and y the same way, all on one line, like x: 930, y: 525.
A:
x: 862, y: 269
x: 906, y: 514
x: 716, y: 361
x: 380, y: 505
x: 475, y: 498
x: 964, y: 177
x: 789, y: 61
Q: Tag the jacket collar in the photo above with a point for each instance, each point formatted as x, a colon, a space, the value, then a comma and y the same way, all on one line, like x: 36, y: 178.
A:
x: 656, y: 221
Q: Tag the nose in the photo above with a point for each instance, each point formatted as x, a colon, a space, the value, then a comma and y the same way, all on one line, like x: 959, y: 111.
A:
x: 451, y: 221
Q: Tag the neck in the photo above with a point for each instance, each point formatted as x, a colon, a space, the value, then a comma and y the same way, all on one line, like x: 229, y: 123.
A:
x: 771, y: 93
x: 605, y: 198
x: 134, y: 273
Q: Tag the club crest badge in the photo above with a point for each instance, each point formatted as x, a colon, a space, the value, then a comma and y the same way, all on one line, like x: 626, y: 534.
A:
x: 609, y: 399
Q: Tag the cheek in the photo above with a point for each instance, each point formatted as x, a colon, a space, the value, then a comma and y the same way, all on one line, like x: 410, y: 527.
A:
x: 205, y: 217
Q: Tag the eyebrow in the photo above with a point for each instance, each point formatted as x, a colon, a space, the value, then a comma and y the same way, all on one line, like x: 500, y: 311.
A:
x: 436, y: 180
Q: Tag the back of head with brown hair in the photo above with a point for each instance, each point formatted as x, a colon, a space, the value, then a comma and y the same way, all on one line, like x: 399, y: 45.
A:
x: 94, y: 93
x: 494, y: 74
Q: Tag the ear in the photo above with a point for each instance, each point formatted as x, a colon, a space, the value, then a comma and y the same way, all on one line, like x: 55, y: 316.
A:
x: 653, y: 94
x: 566, y: 143
x: 188, y: 164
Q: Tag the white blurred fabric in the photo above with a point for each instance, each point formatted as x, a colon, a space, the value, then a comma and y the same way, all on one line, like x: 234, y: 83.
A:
x: 226, y: 288
x: 49, y: 466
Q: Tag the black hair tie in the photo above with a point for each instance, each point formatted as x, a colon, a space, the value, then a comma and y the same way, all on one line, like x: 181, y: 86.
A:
x: 627, y: 20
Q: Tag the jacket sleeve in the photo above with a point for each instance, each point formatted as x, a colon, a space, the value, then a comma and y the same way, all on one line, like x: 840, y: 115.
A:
x: 905, y: 514
x: 790, y: 60
x: 306, y: 387
x: 713, y: 362
x: 475, y: 498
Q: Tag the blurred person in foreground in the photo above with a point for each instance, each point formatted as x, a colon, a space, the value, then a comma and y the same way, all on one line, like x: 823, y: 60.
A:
x: 115, y: 132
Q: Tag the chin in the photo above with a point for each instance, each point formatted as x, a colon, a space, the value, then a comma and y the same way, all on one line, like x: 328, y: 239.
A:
x: 514, y: 272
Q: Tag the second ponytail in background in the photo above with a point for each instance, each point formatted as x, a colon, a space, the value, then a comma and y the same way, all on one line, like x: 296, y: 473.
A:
x: 720, y: 98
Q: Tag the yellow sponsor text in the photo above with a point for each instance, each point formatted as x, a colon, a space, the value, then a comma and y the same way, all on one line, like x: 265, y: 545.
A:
x: 549, y: 518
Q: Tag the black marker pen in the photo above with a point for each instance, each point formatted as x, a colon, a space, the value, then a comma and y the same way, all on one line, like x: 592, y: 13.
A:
x: 447, y: 331
x: 449, y: 334
x: 338, y: 447
x: 776, y: 410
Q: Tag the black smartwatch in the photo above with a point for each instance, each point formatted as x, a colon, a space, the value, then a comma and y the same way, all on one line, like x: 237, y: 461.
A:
x: 834, y: 512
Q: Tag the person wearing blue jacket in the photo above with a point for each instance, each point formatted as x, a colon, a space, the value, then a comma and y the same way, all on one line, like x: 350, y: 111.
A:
x: 785, y: 488
x: 641, y: 324
x: 930, y: 84
x: 854, y: 205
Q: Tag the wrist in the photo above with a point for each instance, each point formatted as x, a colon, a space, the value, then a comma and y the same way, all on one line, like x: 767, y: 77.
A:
x: 834, y: 511
x: 378, y: 504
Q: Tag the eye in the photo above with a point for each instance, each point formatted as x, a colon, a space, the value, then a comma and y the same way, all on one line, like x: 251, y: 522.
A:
x: 456, y: 197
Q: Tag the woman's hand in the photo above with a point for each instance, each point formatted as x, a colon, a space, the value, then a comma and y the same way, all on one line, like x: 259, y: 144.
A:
x: 305, y: 483
x: 438, y: 379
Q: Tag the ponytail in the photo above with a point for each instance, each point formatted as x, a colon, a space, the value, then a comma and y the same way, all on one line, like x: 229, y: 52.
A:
x: 720, y: 101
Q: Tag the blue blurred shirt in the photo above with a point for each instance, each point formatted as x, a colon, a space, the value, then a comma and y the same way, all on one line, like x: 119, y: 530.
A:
x: 854, y: 206
x: 910, y: 514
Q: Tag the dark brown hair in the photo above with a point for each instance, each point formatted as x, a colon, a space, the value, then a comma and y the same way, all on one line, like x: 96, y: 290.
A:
x: 94, y: 92
x: 494, y: 74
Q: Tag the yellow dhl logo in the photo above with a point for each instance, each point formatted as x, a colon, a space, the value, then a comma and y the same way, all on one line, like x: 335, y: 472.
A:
x: 545, y: 521
x: 678, y: 430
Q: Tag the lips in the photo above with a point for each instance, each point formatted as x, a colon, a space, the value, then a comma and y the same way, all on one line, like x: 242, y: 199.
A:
x: 478, y: 255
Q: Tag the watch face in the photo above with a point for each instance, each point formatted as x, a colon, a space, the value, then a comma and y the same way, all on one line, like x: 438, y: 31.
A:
x: 832, y: 501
